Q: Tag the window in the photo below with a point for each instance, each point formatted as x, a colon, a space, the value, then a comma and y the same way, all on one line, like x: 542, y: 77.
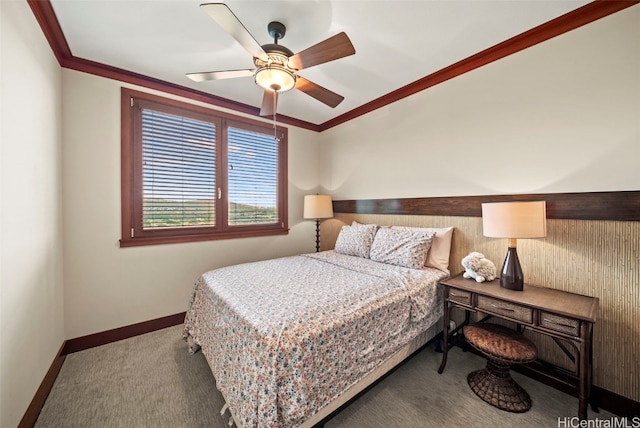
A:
x: 192, y: 174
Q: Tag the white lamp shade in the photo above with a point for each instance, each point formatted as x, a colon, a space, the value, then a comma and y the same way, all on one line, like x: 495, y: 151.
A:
x: 514, y: 219
x: 318, y: 206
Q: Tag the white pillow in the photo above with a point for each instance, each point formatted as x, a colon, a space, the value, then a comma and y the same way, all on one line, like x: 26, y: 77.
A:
x: 356, y: 240
x: 438, y: 256
x: 399, y: 247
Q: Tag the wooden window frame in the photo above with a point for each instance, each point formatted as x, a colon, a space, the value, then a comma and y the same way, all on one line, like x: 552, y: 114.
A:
x: 131, y: 189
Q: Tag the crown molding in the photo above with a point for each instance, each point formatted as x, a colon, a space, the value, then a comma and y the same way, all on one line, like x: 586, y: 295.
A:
x: 46, y: 17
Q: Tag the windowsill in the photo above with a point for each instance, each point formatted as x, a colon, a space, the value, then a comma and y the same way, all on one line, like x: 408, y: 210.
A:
x: 159, y: 240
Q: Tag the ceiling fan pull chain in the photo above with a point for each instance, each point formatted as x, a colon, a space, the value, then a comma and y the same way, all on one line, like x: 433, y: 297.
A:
x: 275, y: 129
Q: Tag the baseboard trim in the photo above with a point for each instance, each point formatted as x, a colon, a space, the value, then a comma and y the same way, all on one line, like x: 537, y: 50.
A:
x: 616, y: 403
x: 85, y: 342
x: 33, y: 411
x: 604, y: 399
x: 116, y: 334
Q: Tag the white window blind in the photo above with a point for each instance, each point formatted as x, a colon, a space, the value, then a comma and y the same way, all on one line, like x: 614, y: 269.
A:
x: 190, y: 173
x: 252, y: 177
x: 178, y: 174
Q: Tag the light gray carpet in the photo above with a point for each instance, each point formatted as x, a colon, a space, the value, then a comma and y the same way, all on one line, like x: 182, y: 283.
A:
x: 152, y: 381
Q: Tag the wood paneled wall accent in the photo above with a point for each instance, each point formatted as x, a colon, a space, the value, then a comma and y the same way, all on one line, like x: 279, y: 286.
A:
x: 580, y: 206
x: 590, y: 257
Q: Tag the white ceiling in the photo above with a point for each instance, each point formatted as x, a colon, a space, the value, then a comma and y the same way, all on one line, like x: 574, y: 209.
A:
x: 397, y: 41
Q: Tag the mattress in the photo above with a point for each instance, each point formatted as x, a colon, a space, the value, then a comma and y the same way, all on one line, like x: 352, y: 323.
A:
x: 286, y: 337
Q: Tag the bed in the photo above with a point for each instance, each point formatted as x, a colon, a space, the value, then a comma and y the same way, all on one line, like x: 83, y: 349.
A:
x: 289, y: 340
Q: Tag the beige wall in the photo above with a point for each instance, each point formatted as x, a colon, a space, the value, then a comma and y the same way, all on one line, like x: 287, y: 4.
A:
x: 107, y: 286
x: 31, y: 288
x: 563, y: 116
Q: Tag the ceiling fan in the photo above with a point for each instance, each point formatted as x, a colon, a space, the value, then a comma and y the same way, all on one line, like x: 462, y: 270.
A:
x: 276, y: 65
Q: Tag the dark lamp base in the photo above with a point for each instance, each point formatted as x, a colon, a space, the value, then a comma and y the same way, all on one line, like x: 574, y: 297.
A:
x: 317, y: 235
x: 511, y: 276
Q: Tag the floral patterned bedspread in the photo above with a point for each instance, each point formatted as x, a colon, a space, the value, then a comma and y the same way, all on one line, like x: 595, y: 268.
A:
x: 284, y: 337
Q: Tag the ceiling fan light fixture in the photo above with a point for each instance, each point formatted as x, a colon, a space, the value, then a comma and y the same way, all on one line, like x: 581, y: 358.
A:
x: 275, y: 78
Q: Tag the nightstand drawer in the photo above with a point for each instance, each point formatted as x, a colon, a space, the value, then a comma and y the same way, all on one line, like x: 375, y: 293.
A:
x: 460, y: 296
x: 559, y: 323
x: 507, y: 309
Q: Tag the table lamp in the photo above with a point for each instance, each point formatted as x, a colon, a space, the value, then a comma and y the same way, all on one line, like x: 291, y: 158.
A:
x: 318, y: 207
x: 514, y: 220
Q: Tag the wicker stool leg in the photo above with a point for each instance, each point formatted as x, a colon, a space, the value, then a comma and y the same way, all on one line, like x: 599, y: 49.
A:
x: 495, y: 385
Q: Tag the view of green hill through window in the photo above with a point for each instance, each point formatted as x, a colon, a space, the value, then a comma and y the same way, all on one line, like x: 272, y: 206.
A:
x: 165, y: 213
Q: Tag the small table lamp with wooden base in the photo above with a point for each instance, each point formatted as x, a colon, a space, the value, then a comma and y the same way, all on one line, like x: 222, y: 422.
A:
x: 317, y: 207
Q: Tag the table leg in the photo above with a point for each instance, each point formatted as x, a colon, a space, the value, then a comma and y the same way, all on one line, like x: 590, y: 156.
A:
x: 592, y: 398
x: 583, y: 375
x: 445, y: 331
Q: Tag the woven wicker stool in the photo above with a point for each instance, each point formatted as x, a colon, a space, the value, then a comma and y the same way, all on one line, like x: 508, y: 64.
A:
x: 503, y: 347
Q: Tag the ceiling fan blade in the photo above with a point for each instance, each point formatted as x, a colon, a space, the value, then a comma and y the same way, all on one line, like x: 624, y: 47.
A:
x: 221, y: 13
x: 334, y: 47
x: 219, y: 75
x: 318, y: 92
x: 269, y: 103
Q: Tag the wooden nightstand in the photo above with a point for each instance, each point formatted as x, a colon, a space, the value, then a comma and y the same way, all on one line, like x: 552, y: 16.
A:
x: 563, y: 316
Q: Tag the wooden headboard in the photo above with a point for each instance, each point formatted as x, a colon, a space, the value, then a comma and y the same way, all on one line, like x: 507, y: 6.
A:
x: 623, y: 206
